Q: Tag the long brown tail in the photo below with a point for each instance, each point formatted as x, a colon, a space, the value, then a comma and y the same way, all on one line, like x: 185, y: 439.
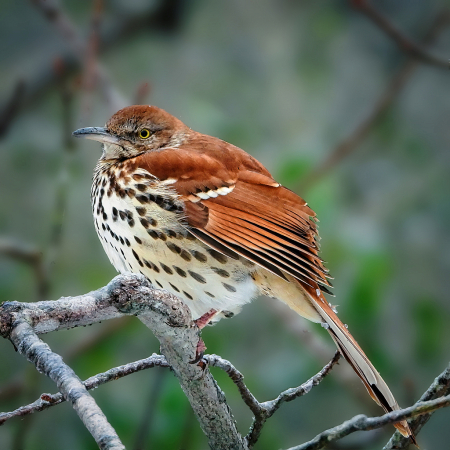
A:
x: 353, y: 353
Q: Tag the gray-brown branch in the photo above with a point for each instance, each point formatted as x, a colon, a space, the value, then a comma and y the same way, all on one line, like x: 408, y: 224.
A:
x: 72, y: 389
x: 265, y: 410
x: 262, y: 411
x: 167, y: 317
x: 439, y: 388
x: 46, y: 401
x: 171, y: 322
x: 363, y: 423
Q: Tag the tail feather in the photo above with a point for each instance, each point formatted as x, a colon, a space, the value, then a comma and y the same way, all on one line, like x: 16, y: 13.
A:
x: 355, y: 356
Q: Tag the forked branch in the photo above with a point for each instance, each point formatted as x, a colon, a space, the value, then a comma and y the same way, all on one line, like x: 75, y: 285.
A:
x: 265, y: 410
x: 363, y: 423
x: 170, y: 321
x: 46, y: 401
x: 167, y: 317
x: 439, y: 388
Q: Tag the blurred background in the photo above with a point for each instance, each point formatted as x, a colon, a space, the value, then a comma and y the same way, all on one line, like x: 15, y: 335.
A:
x: 336, y: 111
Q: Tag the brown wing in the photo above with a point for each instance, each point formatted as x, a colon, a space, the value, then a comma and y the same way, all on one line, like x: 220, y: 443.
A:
x: 268, y: 225
x: 234, y: 205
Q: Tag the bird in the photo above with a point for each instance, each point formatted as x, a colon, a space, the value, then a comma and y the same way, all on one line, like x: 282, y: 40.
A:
x: 206, y: 221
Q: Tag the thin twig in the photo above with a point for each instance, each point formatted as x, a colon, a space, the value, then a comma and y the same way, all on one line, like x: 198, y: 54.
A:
x: 290, y: 394
x: 362, y: 423
x: 46, y: 401
x: 170, y: 321
x: 44, y: 265
x: 439, y: 388
x: 321, y: 349
x: 265, y: 410
x: 405, y: 43
x: 70, y: 386
x: 237, y: 378
x: 388, y: 96
x: 15, y: 386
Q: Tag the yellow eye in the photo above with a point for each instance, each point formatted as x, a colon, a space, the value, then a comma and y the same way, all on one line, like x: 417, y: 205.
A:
x: 144, y: 133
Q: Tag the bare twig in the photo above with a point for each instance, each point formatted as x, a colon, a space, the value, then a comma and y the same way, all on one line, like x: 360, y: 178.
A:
x: 207, y: 400
x: 320, y: 347
x: 44, y: 265
x: 389, y: 95
x: 15, y: 386
x: 405, y: 43
x: 70, y: 386
x: 237, y: 378
x: 361, y: 422
x: 439, y: 388
x: 262, y: 411
x: 291, y: 394
x: 46, y: 401
x: 169, y: 319
x: 265, y: 410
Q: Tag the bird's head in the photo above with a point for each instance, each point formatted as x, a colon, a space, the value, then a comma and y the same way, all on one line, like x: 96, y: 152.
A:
x: 134, y: 130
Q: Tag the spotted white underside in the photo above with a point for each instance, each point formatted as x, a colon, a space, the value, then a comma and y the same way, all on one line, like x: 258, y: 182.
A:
x: 219, y: 283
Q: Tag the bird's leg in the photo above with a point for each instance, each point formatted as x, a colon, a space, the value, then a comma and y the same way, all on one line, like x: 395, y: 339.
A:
x: 201, y: 322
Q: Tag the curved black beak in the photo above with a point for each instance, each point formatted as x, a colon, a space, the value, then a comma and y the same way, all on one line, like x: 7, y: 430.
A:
x: 96, y: 134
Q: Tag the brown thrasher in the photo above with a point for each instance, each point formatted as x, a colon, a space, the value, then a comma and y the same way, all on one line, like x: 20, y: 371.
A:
x: 206, y: 221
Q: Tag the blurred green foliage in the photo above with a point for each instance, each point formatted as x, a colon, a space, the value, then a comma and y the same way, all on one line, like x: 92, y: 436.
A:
x: 287, y: 81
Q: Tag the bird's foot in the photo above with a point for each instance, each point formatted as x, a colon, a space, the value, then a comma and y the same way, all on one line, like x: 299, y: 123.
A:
x: 199, y: 360
x: 202, y: 321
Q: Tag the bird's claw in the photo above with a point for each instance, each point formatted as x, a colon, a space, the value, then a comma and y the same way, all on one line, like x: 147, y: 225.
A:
x: 199, y: 359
